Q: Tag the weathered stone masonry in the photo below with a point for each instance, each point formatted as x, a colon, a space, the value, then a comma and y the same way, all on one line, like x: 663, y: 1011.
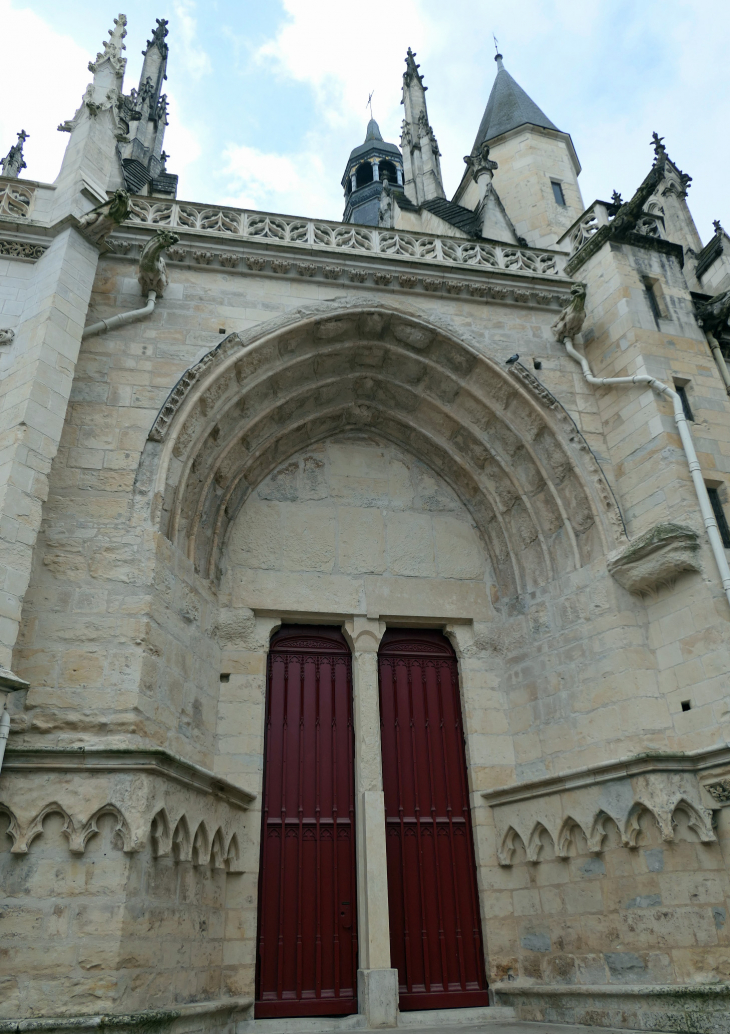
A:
x: 316, y: 423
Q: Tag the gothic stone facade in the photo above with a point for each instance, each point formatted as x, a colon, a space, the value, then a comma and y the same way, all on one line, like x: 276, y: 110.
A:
x: 316, y: 425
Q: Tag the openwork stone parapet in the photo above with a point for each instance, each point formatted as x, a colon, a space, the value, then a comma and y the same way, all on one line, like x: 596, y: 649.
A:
x: 16, y: 199
x: 180, y: 809
x: 342, y: 237
x: 585, y: 800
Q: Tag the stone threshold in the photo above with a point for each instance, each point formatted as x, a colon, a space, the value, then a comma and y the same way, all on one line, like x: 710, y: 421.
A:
x: 127, y: 759
x: 605, y: 771
x: 146, y: 1020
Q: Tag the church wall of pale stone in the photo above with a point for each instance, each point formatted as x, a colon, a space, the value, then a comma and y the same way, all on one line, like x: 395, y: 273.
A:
x: 367, y: 427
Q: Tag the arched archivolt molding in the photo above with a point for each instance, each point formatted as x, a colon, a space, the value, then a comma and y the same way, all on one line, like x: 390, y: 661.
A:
x: 535, y: 493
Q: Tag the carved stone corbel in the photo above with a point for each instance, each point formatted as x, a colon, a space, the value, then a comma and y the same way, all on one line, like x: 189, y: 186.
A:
x: 656, y: 558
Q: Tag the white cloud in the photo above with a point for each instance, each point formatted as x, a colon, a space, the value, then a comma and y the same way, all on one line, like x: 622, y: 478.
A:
x: 276, y: 182
x: 44, y: 77
x: 190, y: 56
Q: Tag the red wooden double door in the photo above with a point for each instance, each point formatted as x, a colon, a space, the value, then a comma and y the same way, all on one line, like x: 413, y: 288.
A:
x: 307, y: 938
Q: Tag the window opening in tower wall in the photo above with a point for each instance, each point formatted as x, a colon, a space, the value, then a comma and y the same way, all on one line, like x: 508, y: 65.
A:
x: 719, y: 512
x: 682, y: 392
x: 655, y: 297
x: 558, y: 193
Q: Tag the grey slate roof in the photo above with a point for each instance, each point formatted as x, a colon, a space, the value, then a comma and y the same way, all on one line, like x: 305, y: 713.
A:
x: 373, y: 141
x: 507, y: 108
x: 463, y: 218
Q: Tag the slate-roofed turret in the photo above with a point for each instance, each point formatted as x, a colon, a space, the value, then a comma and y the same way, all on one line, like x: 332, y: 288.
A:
x: 508, y: 108
x: 369, y: 166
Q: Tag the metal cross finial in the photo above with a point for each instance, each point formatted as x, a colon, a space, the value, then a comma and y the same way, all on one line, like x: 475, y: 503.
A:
x: 22, y: 137
x: 496, y: 44
x: 370, y: 103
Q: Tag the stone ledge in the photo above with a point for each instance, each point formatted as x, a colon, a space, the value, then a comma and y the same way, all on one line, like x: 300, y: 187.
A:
x: 157, y: 761
x: 149, y: 1019
x: 656, y: 558
x: 606, y: 771
x: 677, y: 991
x: 686, y: 1008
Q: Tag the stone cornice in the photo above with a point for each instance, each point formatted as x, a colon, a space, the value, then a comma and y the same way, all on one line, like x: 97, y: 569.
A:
x: 693, y: 761
x: 155, y: 761
x: 358, y: 270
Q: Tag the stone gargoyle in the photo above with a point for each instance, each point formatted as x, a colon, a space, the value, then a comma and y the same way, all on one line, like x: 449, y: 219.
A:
x: 570, y: 321
x: 97, y: 224
x: 152, y: 270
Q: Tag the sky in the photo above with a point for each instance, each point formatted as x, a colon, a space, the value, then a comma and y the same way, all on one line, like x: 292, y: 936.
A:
x: 268, y: 97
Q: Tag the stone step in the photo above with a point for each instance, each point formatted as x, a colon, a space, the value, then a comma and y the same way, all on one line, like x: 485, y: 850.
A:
x: 484, y: 1015
x: 303, y: 1025
x: 426, y: 1019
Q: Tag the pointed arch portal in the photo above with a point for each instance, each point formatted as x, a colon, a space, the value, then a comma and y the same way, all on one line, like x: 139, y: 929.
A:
x: 527, y: 478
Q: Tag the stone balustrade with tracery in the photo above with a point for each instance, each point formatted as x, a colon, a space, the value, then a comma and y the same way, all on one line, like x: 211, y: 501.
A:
x: 316, y: 233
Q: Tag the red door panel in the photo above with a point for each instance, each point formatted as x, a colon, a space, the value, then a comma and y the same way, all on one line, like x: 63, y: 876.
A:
x: 307, y: 937
x: 435, y: 929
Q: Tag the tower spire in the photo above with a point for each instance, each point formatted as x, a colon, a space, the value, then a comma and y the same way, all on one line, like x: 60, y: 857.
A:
x: 145, y: 111
x: 507, y: 108
x: 418, y: 143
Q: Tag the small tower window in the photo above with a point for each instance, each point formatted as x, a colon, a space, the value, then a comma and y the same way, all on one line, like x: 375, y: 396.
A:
x: 656, y: 299
x: 558, y: 193
x: 681, y: 389
x: 719, y: 512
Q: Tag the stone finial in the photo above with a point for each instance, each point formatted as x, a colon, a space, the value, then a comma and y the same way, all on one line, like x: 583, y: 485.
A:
x: 616, y: 199
x: 152, y: 269
x: 13, y: 164
x: 113, y: 48
x: 480, y: 163
x: 658, y: 144
x: 717, y: 226
x: 411, y: 71
x: 570, y: 321
x: 97, y: 224
x: 158, y: 37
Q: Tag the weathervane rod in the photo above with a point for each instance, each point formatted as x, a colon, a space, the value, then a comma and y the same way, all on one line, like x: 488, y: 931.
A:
x: 496, y: 44
x: 370, y: 103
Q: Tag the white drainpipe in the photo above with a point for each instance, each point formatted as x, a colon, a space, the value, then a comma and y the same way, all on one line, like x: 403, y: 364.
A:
x: 9, y: 683
x: 124, y: 317
x: 695, y: 470
x: 719, y: 359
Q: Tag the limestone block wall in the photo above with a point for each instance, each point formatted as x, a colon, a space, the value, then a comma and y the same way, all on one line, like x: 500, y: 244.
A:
x: 688, y: 625
x: 103, y: 583
x: 124, y: 876
x: 529, y: 158
x: 109, y: 931
x: 651, y: 913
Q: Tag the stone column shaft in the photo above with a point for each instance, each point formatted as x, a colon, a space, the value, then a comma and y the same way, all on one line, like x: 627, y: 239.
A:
x: 377, y: 981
